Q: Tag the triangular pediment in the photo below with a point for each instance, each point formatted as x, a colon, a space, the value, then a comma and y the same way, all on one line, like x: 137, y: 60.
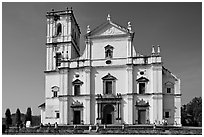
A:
x: 169, y: 83
x: 108, y: 29
x: 109, y: 77
x: 142, y: 79
x: 77, y: 81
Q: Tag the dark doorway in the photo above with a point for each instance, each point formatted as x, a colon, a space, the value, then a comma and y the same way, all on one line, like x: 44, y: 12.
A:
x: 77, y: 117
x: 141, y: 116
x: 108, y: 111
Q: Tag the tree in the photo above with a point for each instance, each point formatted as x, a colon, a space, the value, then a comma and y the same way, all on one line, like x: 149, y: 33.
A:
x: 8, y: 118
x: 192, y: 113
x: 28, y: 115
x: 18, y: 117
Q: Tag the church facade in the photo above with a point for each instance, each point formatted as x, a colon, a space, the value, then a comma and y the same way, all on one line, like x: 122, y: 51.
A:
x: 110, y: 83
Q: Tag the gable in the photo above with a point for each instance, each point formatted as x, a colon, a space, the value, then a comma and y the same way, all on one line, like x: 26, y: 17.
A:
x: 108, y: 29
x: 111, y: 30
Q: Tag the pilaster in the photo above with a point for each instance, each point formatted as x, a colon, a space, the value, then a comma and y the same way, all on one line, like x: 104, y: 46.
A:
x: 177, y: 112
x: 129, y: 79
x: 87, y: 111
x: 88, y: 80
x: 63, y: 109
x: 157, y: 108
x: 130, y: 109
x: 129, y: 50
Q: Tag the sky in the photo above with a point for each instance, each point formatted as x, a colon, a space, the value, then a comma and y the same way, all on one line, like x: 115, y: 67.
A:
x: 176, y: 27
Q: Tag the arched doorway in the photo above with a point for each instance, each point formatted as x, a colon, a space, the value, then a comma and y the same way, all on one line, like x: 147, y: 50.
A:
x: 108, y: 114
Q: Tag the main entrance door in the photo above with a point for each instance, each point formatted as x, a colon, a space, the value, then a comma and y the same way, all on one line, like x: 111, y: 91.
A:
x: 108, y: 111
x: 141, y: 116
x: 77, y: 117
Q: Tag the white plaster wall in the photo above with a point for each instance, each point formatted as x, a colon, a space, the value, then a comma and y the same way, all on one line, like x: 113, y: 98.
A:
x: 147, y: 74
x: 169, y: 105
x: 99, y: 73
x: 42, y: 113
x: 119, y: 44
x: 51, y: 79
x: 125, y: 111
x: 72, y: 77
x: 157, y: 109
x: 102, y: 62
x: 52, y: 106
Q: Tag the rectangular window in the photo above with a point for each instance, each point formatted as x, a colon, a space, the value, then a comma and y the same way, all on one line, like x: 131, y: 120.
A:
x: 57, y: 115
x: 168, y: 90
x: 76, y: 90
x: 141, y: 88
x: 167, y: 114
x: 54, y: 93
x: 109, y: 87
x: 58, y: 59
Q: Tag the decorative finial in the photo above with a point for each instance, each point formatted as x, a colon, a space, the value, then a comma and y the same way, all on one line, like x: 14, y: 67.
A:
x: 153, y: 52
x: 129, y: 26
x: 53, y: 10
x: 108, y: 18
x: 158, y: 49
x: 67, y: 8
x: 88, y: 29
x: 71, y: 8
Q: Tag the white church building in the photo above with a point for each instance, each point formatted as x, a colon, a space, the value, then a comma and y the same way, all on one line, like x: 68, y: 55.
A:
x: 110, y: 83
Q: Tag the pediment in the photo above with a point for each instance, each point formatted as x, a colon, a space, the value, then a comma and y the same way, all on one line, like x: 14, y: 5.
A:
x: 111, y: 30
x: 109, y: 77
x: 142, y: 103
x: 77, y: 81
x: 108, y: 29
x: 76, y: 104
x: 55, y: 88
x: 169, y: 83
x: 142, y: 79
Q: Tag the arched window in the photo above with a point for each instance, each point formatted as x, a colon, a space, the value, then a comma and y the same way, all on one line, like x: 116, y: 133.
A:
x: 55, y: 90
x: 108, y: 51
x: 59, y: 29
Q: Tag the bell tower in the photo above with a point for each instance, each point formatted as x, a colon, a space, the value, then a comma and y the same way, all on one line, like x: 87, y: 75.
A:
x: 63, y: 36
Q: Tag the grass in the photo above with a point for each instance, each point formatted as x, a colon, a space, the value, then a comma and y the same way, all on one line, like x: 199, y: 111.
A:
x: 83, y: 129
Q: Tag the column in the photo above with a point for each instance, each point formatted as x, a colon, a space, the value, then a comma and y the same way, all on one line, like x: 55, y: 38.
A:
x: 50, y: 57
x: 118, y: 110
x: 47, y: 58
x: 130, y: 110
x: 177, y: 112
x: 63, y: 101
x: 101, y: 115
x: 88, y: 82
x: 129, y: 79
x: 53, y: 58
x: 87, y: 120
x: 98, y: 111
x: 129, y: 50
x: 61, y: 111
x: 64, y: 75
